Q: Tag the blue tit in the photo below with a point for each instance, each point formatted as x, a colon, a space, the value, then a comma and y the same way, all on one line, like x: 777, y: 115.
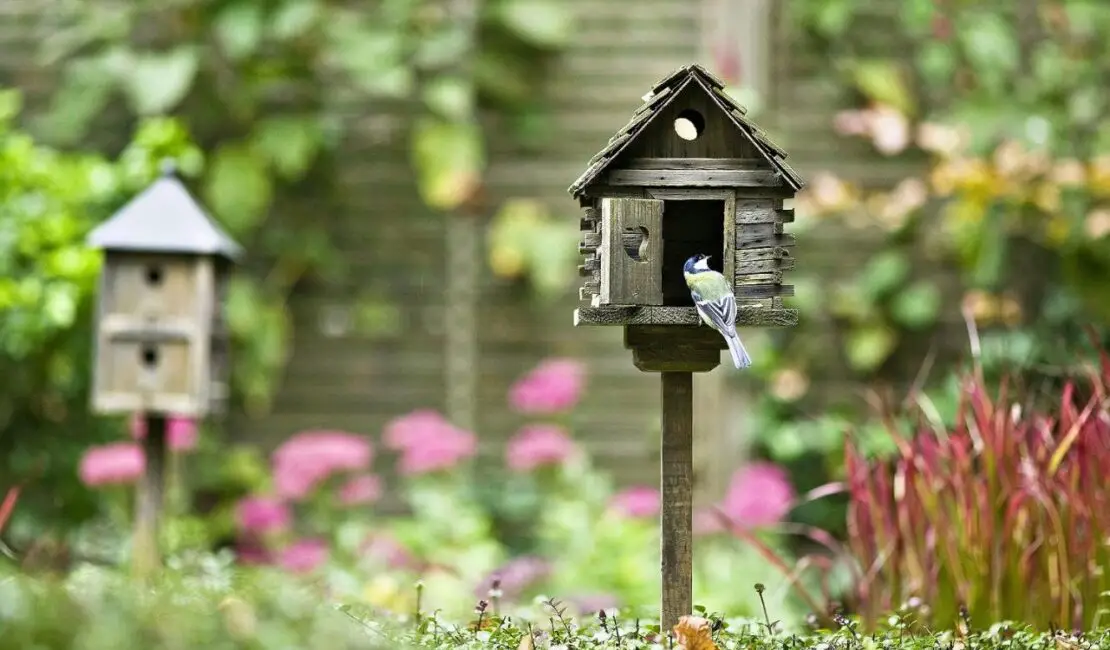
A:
x: 716, y: 304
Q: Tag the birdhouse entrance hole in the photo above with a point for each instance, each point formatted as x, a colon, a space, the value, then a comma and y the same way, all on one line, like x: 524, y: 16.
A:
x: 635, y: 242
x: 149, y: 356
x: 689, y: 125
x: 154, y: 275
x: 690, y: 227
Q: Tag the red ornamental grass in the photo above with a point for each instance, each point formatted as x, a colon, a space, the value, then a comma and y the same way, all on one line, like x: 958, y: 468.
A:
x: 1007, y: 513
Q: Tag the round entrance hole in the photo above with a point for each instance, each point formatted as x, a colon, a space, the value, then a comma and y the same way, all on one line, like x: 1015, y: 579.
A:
x: 149, y: 355
x: 689, y: 125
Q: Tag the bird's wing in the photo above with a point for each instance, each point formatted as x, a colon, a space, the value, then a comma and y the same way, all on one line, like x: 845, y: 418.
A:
x: 720, y: 312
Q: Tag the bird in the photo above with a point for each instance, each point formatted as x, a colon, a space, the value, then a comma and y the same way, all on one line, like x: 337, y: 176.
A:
x: 716, y: 304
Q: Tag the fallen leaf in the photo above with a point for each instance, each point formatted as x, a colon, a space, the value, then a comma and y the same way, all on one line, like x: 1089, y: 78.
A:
x: 694, y: 633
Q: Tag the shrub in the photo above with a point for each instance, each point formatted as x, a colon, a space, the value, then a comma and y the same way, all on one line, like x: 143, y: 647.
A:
x: 1003, y: 514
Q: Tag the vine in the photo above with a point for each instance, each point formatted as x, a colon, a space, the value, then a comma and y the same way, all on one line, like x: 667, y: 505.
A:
x: 263, y: 85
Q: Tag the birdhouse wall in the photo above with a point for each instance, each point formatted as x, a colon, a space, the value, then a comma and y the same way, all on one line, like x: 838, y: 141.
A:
x: 763, y: 249
x: 154, y: 334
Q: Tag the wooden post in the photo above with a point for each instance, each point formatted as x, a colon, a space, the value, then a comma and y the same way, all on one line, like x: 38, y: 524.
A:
x: 145, y: 556
x: 677, y: 494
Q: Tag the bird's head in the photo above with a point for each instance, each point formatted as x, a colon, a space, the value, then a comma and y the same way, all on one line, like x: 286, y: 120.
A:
x: 696, y: 264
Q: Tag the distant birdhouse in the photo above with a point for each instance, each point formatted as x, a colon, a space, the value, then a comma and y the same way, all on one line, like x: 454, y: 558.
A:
x: 161, y: 341
x: 688, y: 174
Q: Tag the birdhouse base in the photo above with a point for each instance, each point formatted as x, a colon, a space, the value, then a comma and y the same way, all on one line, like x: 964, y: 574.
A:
x: 671, y: 316
x: 658, y: 348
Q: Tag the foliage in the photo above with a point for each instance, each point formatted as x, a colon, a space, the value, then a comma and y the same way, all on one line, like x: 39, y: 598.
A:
x: 995, y: 509
x: 49, y: 200
x: 206, y: 604
x: 268, y: 88
x: 1004, y: 218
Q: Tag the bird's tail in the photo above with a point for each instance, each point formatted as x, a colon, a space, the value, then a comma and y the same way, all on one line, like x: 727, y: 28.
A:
x: 740, y: 356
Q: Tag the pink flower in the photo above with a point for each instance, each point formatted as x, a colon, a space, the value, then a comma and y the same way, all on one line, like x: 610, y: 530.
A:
x: 538, y: 444
x: 758, y: 495
x: 387, y: 549
x: 890, y: 130
x: 448, y: 448
x: 119, y: 462
x: 515, y: 576
x: 306, y: 459
x: 637, y: 502
x: 304, y: 556
x: 365, y: 488
x: 553, y: 386
x: 414, y: 429
x: 181, y: 432
x: 262, y: 514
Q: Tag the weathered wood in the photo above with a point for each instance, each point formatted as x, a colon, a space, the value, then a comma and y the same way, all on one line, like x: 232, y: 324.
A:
x: 729, y: 260
x: 695, y: 163
x: 751, y: 267
x: 762, y: 235
x: 767, y: 290
x: 149, y: 499
x: 677, y: 497
x: 746, y: 316
x: 601, y: 190
x: 690, y: 194
x: 745, y: 255
x: 674, y: 349
x: 590, y: 242
x: 625, y: 279
x: 657, y: 96
x: 773, y: 276
x: 730, y: 101
x: 693, y: 178
x: 591, y: 213
x: 785, y: 215
x: 756, y: 210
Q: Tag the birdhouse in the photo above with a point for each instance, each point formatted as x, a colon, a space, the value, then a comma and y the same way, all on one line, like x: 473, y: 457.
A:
x: 688, y: 174
x: 161, y: 340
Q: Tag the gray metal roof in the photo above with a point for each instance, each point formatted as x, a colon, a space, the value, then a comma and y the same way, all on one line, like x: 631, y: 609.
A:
x: 164, y: 218
x: 662, y: 94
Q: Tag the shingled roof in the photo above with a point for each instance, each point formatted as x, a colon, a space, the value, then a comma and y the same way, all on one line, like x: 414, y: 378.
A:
x: 661, y: 95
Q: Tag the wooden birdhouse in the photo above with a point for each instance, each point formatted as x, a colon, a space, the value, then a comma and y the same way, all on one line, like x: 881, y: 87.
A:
x: 161, y: 340
x: 688, y: 174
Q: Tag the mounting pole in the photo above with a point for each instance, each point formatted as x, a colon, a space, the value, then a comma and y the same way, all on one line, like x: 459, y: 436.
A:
x: 677, y: 497
x: 149, y: 499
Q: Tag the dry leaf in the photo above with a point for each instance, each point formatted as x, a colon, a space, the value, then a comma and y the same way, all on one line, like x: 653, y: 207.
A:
x: 526, y: 643
x: 694, y: 633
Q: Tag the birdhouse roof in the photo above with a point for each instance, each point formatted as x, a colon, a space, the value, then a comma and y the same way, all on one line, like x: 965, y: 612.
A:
x: 164, y: 218
x: 661, y: 95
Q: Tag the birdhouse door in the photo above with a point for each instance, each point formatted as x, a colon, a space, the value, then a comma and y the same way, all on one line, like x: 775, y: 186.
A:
x: 632, y: 250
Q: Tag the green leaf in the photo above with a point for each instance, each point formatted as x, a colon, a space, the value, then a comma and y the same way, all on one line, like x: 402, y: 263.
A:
x: 157, y: 82
x: 990, y: 46
x: 452, y: 97
x: 917, y: 306
x: 11, y: 102
x: 882, y: 81
x: 238, y: 188
x: 449, y: 158
x: 288, y: 143
x: 294, y: 18
x: 936, y: 61
x: 869, y: 346
x: 238, y: 29
x: 917, y: 15
x: 543, y: 23
x: 884, y: 273
x: 86, y: 87
x: 831, y: 18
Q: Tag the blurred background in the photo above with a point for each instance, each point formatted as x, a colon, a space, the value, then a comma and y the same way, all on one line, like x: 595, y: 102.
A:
x: 397, y: 172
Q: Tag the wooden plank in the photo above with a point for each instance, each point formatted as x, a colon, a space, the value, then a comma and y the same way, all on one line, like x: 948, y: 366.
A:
x: 729, y: 266
x: 754, y: 291
x: 746, y: 316
x: 773, y: 276
x: 693, y: 178
x: 696, y: 163
x: 677, y: 497
x: 747, y: 268
x: 764, y: 237
x: 628, y: 280
x: 753, y: 211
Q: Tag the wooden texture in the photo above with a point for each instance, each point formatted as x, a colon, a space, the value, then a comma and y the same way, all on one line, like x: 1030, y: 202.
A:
x: 677, y: 497
x: 155, y: 328
x: 693, y: 178
x: 149, y: 500
x: 674, y: 349
x: 701, y: 164
x: 745, y: 316
x: 724, y: 133
x: 626, y: 280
